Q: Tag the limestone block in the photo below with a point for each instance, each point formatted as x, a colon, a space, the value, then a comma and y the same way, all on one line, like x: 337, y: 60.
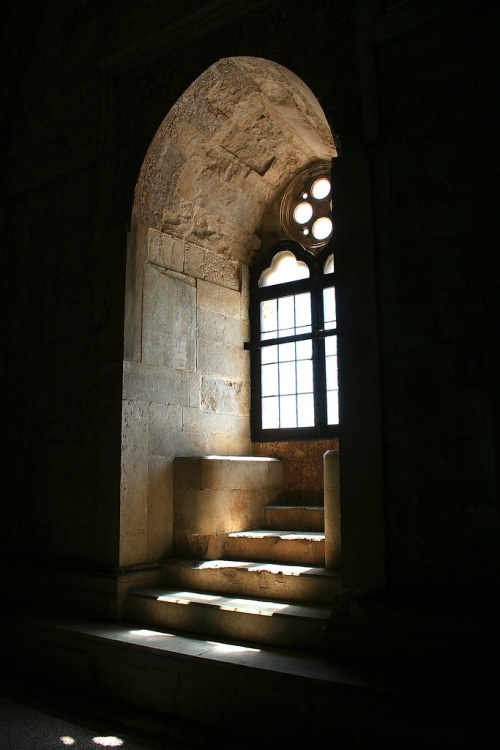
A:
x: 160, y: 507
x: 154, y: 383
x: 217, y: 472
x: 202, y: 511
x: 218, y: 299
x: 194, y: 420
x: 165, y: 417
x: 212, y: 267
x: 219, y: 270
x: 165, y: 250
x: 245, y: 292
x: 211, y: 325
x: 228, y: 445
x: 215, y: 358
x: 134, y: 483
x: 225, y: 395
x: 193, y: 261
x: 332, y: 509
x: 236, y: 332
x: 169, y: 444
x: 252, y: 153
x: 169, y: 321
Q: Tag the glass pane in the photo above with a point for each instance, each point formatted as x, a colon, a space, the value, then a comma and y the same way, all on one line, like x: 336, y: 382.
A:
x: 286, y: 320
x: 288, y: 411
x: 270, y: 413
x: 302, y: 213
x: 287, y: 352
x: 322, y: 228
x: 303, y: 309
x: 268, y: 317
x: 270, y: 380
x: 329, y: 267
x: 305, y: 408
x: 269, y: 354
x: 284, y: 267
x: 330, y: 346
x: 320, y: 188
x: 304, y: 349
x: 287, y: 378
x: 329, y: 310
x: 332, y: 403
x: 331, y: 373
x: 304, y: 376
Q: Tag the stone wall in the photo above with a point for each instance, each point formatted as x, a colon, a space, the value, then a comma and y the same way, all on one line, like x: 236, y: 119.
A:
x: 206, y: 203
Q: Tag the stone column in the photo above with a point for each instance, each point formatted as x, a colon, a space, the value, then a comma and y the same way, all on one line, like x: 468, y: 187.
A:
x: 332, y: 509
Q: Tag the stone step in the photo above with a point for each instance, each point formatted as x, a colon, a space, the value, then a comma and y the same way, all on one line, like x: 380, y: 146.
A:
x: 299, y: 517
x: 251, y: 620
x: 295, y: 583
x: 277, y: 545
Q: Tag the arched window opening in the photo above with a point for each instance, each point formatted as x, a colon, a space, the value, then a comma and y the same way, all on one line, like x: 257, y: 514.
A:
x: 293, y: 320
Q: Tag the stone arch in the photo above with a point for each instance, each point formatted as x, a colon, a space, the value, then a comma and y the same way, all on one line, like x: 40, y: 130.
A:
x: 206, y: 202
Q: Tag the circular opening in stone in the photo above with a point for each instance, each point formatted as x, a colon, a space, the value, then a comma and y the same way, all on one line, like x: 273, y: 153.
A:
x: 322, y: 228
x: 302, y: 213
x: 320, y: 188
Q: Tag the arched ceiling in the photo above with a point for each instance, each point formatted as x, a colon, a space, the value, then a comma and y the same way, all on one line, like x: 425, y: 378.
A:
x: 225, y: 152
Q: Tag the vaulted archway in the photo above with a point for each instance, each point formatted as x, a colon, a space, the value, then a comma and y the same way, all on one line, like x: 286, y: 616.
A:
x: 206, y: 204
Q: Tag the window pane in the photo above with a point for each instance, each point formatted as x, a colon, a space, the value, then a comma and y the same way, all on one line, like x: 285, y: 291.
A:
x: 287, y: 378
x: 304, y: 376
x: 284, y: 267
x: 270, y: 380
x: 331, y: 373
x: 305, y: 407
x: 287, y: 352
x: 268, y: 317
x: 270, y: 413
x: 332, y: 403
x: 329, y: 310
x: 330, y: 345
x: 286, y: 322
x: 303, y: 309
x: 288, y: 411
x: 304, y: 349
x: 269, y: 354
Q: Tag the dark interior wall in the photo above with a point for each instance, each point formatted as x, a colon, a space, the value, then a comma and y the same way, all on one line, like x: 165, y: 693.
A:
x: 434, y: 184
x: 87, y: 85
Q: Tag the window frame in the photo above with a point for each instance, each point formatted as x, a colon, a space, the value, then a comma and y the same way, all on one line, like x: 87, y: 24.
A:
x: 315, y: 284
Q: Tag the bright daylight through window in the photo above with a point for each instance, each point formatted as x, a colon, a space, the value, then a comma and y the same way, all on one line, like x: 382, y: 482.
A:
x: 293, y: 315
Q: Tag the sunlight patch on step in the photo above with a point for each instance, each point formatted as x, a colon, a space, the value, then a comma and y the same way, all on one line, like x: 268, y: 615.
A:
x: 293, y: 570
x: 252, y: 606
x: 145, y: 633
x: 229, y: 648
x: 110, y: 741
x: 186, y: 597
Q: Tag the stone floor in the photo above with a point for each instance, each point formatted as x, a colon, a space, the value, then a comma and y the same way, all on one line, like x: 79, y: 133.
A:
x: 53, y: 721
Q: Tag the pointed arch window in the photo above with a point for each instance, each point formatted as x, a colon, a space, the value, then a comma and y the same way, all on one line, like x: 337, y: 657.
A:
x: 294, y: 344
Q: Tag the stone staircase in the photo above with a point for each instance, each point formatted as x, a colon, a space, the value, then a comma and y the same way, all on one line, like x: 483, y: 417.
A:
x: 270, y: 587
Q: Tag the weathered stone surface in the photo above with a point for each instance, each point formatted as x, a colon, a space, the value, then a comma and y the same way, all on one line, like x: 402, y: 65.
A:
x: 225, y: 395
x: 165, y: 250
x: 155, y: 383
x: 160, y: 507
x: 195, y: 420
x: 134, y: 483
x: 211, y: 325
x: 169, y: 321
x: 217, y: 359
x: 216, y: 298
